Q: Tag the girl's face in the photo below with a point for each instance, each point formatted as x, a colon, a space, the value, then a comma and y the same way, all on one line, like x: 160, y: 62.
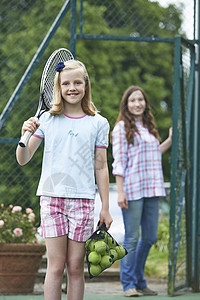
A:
x: 72, y: 87
x: 136, y: 104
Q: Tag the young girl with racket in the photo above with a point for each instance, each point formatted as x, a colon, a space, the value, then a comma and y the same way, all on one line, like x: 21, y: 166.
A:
x: 75, y: 141
x: 137, y: 167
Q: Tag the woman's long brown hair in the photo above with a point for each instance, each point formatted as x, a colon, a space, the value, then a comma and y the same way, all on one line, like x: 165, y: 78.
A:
x: 129, y: 121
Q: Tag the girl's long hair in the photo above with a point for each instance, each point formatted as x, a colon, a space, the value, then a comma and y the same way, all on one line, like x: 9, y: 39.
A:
x: 86, y: 103
x: 129, y: 121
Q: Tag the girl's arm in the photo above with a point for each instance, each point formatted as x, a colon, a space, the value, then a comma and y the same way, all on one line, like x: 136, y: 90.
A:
x: 122, y: 200
x: 25, y: 154
x: 102, y: 180
x: 167, y: 143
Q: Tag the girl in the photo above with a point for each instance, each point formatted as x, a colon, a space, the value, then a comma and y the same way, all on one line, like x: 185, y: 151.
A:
x: 137, y: 167
x: 75, y: 141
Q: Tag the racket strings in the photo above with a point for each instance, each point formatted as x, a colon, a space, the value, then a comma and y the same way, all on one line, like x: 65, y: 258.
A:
x: 50, y: 72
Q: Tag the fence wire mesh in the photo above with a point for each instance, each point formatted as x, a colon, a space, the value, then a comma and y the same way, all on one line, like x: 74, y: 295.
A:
x: 23, y: 26
x: 179, y: 254
x: 142, y: 18
x: 182, y: 167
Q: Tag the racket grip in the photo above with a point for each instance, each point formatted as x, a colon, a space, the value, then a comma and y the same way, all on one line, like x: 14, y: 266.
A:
x: 26, y: 137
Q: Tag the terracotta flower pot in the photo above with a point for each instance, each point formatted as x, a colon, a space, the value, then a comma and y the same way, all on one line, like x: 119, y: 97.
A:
x: 19, y: 264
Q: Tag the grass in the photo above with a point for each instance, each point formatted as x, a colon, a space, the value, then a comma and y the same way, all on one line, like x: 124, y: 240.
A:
x: 157, y: 261
x: 157, y: 264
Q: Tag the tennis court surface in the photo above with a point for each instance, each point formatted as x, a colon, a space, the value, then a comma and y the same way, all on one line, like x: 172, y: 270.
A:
x: 112, y: 290
x: 193, y: 296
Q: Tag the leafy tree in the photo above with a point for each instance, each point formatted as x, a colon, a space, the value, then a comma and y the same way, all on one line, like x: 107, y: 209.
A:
x: 112, y: 66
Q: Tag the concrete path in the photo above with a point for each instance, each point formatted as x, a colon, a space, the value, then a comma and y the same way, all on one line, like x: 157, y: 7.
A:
x: 111, y: 290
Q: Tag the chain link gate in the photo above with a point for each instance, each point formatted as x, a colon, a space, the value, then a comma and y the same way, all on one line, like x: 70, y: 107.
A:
x: 143, y: 24
x: 182, y: 227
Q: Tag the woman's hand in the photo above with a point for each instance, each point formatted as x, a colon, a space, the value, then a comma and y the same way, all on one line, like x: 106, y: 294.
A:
x: 122, y: 200
x: 170, y: 133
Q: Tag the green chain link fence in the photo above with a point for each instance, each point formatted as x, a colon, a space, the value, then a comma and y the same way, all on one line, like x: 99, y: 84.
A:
x: 121, y: 42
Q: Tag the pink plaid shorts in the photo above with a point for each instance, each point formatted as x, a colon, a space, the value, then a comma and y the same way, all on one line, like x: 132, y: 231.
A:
x: 67, y: 216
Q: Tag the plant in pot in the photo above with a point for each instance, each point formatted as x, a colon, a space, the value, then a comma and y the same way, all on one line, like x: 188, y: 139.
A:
x: 20, y: 253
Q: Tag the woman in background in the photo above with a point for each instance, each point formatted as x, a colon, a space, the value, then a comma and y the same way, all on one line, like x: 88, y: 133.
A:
x: 137, y: 168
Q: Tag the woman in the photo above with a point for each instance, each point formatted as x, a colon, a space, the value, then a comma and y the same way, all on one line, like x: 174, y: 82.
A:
x: 137, y: 168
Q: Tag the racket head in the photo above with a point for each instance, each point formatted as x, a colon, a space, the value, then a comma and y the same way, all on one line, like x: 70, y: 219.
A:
x: 49, y: 72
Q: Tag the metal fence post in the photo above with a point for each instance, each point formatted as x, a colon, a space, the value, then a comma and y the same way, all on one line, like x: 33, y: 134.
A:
x: 195, y: 255
x: 73, y: 28
x: 176, y: 99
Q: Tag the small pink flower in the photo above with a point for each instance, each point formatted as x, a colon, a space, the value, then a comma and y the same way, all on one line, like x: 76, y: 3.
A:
x: 29, y: 210
x: 18, y: 231
x: 16, y: 209
x: 31, y: 217
x: 1, y: 223
x: 2, y: 205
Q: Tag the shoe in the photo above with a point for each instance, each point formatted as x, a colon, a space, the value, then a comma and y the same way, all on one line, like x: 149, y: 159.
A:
x: 147, y: 292
x: 131, y: 293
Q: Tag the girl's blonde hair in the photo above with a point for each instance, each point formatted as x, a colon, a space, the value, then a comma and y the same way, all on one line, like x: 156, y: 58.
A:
x: 86, y: 103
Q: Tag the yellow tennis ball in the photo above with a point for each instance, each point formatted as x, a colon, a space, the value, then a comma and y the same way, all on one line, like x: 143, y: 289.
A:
x: 106, y: 261
x: 100, y: 247
x: 91, y: 245
x: 120, y: 251
x: 105, y: 237
x: 111, y: 242
x: 94, y: 258
x: 87, y: 243
x: 113, y: 254
x: 95, y: 270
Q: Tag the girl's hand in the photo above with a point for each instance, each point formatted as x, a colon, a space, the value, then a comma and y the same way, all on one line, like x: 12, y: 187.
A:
x: 122, y: 200
x: 30, y: 125
x: 106, y: 218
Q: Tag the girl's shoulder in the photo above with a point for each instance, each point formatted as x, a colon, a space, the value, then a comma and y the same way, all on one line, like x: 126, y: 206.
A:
x: 99, y: 119
x: 46, y: 116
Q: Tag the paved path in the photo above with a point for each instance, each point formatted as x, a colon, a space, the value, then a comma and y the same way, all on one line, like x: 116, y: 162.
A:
x: 111, y: 290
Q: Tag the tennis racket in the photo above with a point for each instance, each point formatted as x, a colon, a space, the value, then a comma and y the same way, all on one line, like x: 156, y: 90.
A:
x: 46, y: 86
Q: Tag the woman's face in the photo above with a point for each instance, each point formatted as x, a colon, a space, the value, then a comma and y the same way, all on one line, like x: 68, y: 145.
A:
x: 136, y: 104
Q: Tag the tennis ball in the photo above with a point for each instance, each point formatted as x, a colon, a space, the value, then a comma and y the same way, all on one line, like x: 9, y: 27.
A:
x: 104, y: 237
x: 111, y: 242
x: 91, y: 245
x: 95, y: 270
x: 106, y: 261
x: 100, y: 247
x: 94, y: 258
x: 113, y: 254
x: 120, y: 251
x: 87, y: 243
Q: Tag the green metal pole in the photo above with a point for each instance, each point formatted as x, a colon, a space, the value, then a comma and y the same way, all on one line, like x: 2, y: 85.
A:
x: 173, y: 194
x: 73, y: 28
x: 197, y: 285
x: 196, y: 199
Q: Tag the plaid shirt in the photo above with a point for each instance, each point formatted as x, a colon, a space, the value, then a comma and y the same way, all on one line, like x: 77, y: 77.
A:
x: 140, y: 164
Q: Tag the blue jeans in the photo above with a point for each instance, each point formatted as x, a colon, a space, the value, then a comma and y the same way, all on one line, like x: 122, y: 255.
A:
x: 144, y: 213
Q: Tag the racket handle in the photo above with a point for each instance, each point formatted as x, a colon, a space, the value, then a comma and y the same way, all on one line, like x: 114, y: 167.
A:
x: 26, y: 137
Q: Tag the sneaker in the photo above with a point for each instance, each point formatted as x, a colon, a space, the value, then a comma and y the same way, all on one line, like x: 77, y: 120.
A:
x: 147, y: 292
x: 131, y: 293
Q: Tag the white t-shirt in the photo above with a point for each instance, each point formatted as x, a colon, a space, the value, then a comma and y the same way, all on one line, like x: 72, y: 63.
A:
x: 68, y: 159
